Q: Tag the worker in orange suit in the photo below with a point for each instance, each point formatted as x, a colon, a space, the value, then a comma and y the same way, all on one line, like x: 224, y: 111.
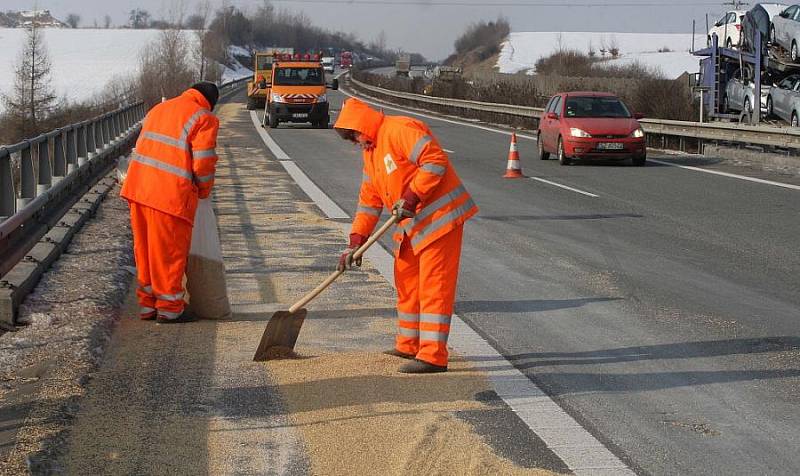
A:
x: 171, y: 168
x: 406, y: 171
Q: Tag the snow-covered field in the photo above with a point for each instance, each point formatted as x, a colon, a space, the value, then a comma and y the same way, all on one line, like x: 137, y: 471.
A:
x: 83, y: 60
x: 521, y: 51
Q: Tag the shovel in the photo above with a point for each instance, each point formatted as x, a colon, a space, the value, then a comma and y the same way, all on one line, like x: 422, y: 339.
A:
x: 284, y: 326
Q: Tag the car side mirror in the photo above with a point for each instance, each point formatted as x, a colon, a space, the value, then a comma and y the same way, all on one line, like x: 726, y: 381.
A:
x: 334, y: 84
x: 551, y: 115
x: 263, y: 84
x: 638, y: 115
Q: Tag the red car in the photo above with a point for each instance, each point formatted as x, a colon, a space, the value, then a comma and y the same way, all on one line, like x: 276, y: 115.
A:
x: 590, y: 125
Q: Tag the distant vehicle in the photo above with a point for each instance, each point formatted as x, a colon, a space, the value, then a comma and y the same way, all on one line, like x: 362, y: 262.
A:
x: 786, y: 31
x: 758, y: 20
x: 590, y: 125
x: 262, y: 75
x: 783, y: 100
x: 328, y: 63
x: 402, y: 67
x: 728, y: 29
x: 740, y: 93
x: 298, y: 91
x: 346, y: 60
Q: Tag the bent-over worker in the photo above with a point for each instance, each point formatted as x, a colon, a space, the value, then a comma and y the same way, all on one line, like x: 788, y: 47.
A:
x: 406, y: 171
x: 172, y: 167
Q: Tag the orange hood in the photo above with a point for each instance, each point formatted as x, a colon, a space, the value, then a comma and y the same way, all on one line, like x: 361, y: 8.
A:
x: 357, y: 116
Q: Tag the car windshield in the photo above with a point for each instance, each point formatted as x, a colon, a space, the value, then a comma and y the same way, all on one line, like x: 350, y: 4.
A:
x: 595, y: 106
x: 298, y: 77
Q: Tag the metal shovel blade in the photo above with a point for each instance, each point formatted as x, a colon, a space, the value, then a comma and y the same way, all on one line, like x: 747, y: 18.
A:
x: 280, y: 335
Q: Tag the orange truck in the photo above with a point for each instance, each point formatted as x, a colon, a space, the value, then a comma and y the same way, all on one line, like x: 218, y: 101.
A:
x: 262, y: 73
x: 297, y: 91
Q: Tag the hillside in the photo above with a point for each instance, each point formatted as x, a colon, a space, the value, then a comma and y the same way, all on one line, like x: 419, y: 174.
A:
x: 666, y: 52
x: 79, y: 68
x: 42, y: 18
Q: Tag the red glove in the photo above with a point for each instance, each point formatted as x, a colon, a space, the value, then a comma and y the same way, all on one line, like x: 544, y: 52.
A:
x: 406, y: 207
x: 346, y: 260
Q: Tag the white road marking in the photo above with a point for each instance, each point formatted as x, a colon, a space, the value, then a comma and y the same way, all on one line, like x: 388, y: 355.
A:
x: 725, y: 174
x: 448, y: 151
x: 451, y: 121
x: 328, y: 206
x: 565, y: 187
x: 577, y: 448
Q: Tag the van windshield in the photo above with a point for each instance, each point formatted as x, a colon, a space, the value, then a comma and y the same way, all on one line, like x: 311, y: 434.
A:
x: 263, y: 62
x: 595, y: 106
x: 298, y: 77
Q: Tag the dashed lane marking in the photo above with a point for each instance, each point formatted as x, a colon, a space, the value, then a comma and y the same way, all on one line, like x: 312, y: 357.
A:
x: 579, y: 450
x: 726, y: 174
x: 565, y: 187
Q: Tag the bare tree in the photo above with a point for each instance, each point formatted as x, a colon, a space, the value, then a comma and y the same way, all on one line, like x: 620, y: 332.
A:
x: 200, y: 27
x: 613, y: 47
x: 107, y: 22
x: 139, y: 18
x: 32, y: 99
x: 73, y: 20
x: 164, y: 69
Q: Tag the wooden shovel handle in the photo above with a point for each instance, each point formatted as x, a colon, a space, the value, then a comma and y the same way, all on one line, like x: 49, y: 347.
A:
x: 330, y: 279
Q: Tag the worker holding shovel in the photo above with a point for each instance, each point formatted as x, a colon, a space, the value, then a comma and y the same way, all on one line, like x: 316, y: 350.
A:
x: 405, y: 170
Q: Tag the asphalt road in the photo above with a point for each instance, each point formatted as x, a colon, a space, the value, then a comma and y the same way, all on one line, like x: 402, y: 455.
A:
x: 661, y: 314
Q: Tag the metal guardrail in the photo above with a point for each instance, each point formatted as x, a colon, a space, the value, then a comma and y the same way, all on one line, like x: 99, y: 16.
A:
x: 701, y: 131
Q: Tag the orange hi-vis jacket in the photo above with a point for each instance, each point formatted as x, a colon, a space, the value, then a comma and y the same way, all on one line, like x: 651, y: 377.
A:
x: 175, y: 157
x: 405, y: 155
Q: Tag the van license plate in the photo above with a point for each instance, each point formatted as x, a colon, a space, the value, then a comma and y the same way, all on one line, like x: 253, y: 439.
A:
x: 300, y: 115
x: 610, y: 146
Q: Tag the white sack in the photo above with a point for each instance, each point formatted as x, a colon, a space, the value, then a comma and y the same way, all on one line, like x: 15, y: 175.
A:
x: 205, y: 271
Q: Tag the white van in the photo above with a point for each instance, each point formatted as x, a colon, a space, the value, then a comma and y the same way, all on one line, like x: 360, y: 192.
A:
x: 328, y: 63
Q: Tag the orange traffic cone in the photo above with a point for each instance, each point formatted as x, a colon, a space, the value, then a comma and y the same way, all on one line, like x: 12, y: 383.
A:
x: 514, y: 169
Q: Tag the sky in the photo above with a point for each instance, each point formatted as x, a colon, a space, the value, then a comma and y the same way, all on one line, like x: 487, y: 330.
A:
x: 428, y: 26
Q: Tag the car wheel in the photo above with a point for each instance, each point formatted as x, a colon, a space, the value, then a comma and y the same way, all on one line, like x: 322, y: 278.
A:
x: 273, y: 121
x: 793, y: 54
x: 726, y: 106
x: 562, y: 157
x: 795, y: 122
x: 708, y: 42
x: 747, y: 106
x: 729, y: 43
x: 542, y: 154
x: 772, y: 35
x: 251, y: 103
x: 769, y: 106
x: 639, y: 161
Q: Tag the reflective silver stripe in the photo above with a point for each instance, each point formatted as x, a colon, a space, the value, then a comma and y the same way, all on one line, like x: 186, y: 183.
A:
x: 163, y: 166
x: 434, y: 169
x: 417, y: 150
x: 146, y: 310
x: 205, y: 178
x: 435, y: 318
x: 204, y: 153
x: 364, y: 177
x: 165, y: 139
x: 187, y: 128
x: 429, y: 209
x: 433, y: 335
x: 408, y: 332
x: 442, y: 221
x: 147, y: 289
x: 404, y: 316
x: 169, y: 315
x: 369, y: 210
x: 170, y: 297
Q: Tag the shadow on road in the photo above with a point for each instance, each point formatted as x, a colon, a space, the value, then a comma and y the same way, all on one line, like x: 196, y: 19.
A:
x: 526, y: 305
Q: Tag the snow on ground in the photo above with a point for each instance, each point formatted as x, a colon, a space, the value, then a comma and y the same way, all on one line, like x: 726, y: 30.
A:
x: 85, y: 60
x: 237, y: 71
x: 521, y: 51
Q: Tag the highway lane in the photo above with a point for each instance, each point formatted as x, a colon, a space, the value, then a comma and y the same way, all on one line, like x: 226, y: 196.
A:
x: 661, y: 314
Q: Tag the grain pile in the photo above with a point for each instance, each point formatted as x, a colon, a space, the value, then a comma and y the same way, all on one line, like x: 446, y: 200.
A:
x: 357, y: 415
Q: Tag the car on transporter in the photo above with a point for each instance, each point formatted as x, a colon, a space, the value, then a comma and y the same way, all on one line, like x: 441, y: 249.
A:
x: 783, y: 100
x: 785, y: 31
x: 728, y: 29
x: 590, y: 125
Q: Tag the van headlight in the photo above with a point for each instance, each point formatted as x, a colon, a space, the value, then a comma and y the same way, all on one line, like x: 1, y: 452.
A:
x: 575, y: 132
x: 637, y: 133
x: 322, y: 98
x: 276, y: 97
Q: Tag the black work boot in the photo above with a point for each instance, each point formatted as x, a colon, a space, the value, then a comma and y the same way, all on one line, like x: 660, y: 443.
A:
x: 417, y: 366
x: 184, y: 317
x: 397, y: 353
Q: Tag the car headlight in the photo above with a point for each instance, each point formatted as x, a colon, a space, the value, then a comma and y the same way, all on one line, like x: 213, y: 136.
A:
x: 322, y: 98
x: 276, y: 97
x: 637, y: 133
x: 575, y: 132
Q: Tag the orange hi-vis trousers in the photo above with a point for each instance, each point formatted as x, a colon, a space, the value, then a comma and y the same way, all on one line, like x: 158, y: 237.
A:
x: 161, y: 248
x: 426, y: 290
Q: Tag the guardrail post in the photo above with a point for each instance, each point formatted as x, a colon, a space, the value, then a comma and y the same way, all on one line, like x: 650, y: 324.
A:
x: 45, y: 168
x: 107, y: 138
x: 72, y: 149
x: 91, y: 140
x: 59, y: 158
x: 117, y: 129
x: 27, y: 178
x: 7, y: 193
x: 83, y: 146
